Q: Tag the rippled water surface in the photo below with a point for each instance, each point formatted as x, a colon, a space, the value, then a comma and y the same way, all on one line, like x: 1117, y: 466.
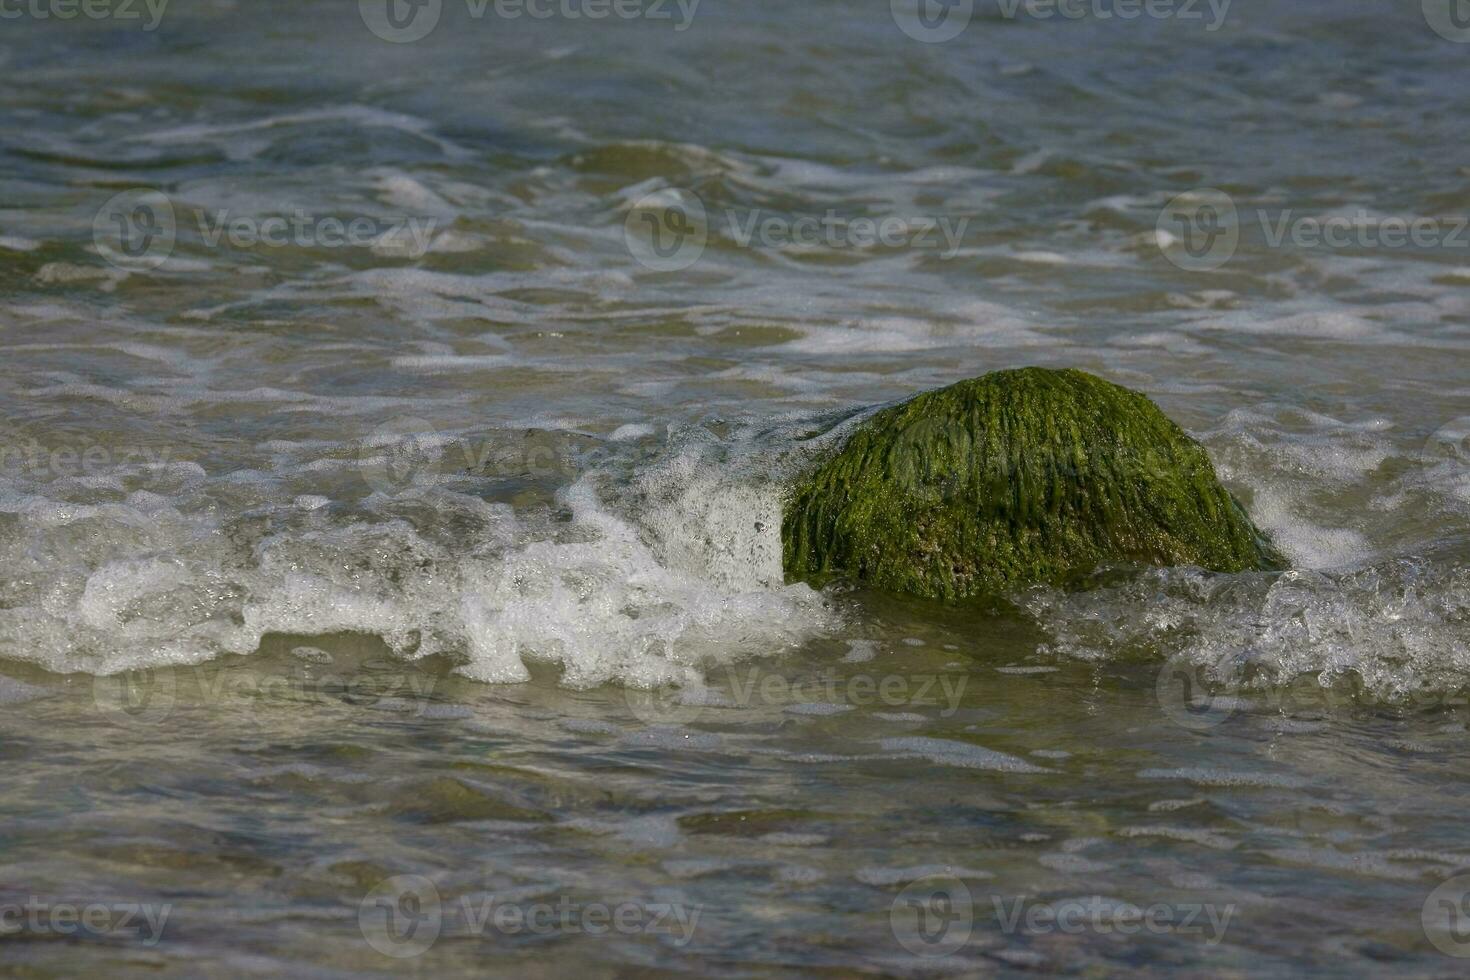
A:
x: 394, y: 434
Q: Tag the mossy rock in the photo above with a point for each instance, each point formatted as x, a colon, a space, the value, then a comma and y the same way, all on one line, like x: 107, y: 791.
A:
x: 1014, y: 478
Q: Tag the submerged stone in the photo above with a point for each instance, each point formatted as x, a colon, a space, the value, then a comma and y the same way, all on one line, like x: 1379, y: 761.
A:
x: 1013, y: 478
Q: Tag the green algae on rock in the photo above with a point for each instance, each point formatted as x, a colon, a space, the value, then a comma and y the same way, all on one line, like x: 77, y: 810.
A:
x: 1017, y: 477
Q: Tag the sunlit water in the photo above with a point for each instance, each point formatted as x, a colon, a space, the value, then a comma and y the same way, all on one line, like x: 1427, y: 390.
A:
x: 436, y: 558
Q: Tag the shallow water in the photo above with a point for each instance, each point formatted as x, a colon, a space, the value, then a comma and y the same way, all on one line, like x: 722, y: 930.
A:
x: 443, y: 564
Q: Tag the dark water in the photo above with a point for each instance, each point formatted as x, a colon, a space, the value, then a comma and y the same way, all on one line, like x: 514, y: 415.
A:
x: 390, y: 488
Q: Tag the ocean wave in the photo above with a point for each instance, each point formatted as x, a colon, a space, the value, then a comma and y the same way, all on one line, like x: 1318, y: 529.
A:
x: 1393, y: 628
x: 640, y: 581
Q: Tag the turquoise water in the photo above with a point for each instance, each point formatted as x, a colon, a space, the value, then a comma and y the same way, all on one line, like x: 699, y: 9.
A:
x: 394, y: 439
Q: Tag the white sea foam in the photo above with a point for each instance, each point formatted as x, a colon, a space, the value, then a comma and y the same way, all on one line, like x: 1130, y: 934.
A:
x: 645, y: 593
x: 630, y: 431
x: 1394, y: 625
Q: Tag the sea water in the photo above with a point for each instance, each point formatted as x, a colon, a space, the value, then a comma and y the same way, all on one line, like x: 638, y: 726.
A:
x: 394, y: 436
